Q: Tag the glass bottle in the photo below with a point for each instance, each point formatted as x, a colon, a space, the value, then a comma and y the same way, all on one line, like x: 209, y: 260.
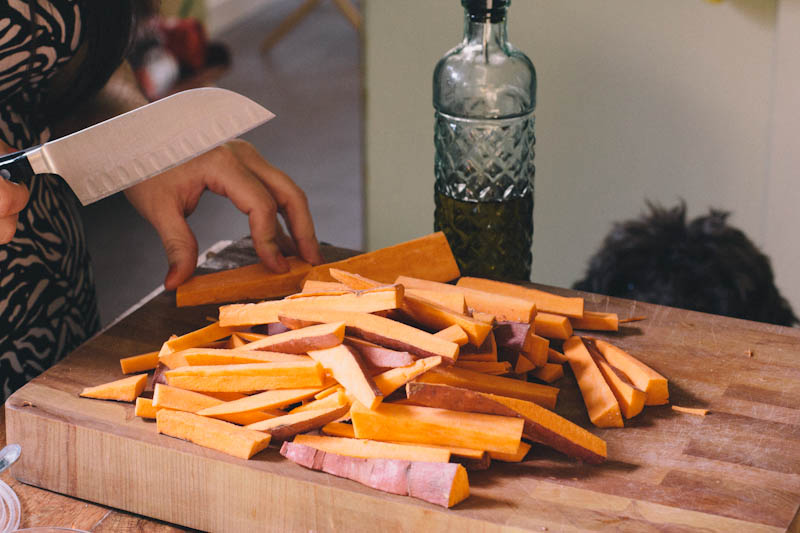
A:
x: 484, y: 95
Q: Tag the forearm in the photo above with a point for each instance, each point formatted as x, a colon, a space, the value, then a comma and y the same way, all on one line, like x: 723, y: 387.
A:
x: 120, y: 94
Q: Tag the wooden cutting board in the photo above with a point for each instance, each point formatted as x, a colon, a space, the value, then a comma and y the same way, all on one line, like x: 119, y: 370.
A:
x: 736, y: 469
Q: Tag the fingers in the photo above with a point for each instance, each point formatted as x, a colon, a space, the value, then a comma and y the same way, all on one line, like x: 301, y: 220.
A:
x: 290, y: 199
x: 180, y: 245
x: 13, y: 198
x: 234, y: 180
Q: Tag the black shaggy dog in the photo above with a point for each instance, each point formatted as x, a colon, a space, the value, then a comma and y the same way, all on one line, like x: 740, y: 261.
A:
x: 705, y: 265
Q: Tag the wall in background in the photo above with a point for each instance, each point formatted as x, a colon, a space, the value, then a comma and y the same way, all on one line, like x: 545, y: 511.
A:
x: 638, y: 99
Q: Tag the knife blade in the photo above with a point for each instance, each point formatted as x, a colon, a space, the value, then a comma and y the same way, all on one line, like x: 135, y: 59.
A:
x: 125, y: 150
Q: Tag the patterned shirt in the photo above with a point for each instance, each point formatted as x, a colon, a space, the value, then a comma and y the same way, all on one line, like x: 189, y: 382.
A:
x: 47, y: 296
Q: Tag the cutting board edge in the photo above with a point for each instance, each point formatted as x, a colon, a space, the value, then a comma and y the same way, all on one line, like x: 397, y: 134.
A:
x: 60, y: 478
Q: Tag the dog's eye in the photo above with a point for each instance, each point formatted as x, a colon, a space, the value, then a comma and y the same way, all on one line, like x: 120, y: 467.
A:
x: 631, y: 286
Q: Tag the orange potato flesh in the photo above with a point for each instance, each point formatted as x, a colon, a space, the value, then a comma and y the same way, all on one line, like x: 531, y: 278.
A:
x: 121, y: 390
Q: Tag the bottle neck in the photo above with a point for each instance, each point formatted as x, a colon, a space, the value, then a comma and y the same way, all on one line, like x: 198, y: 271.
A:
x: 487, y: 29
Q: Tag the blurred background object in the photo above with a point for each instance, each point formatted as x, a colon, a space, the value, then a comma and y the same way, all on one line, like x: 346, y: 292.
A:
x: 311, y: 80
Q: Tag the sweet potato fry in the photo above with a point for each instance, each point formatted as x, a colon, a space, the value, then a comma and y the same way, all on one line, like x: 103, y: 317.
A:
x: 494, y: 368
x: 372, y: 448
x: 287, y: 426
x: 544, y: 301
x: 516, y: 457
x: 553, y: 326
x: 543, y: 395
x: 540, y: 424
x: 485, y: 352
x: 380, y: 299
x: 503, y: 307
x: 454, y: 334
x: 377, y: 356
x: 596, y: 321
x: 426, y: 425
x: 434, y: 316
x: 301, y: 341
x: 253, y: 282
x: 139, y: 363
x: 393, y: 379
x: 549, y: 373
x: 121, y: 390
x: 642, y: 376
x: 603, y: 407
x: 273, y: 399
x: 444, y: 484
x: 336, y: 399
x: 380, y: 330
x: 228, y: 356
x: 247, y: 377
x: 216, y: 434
x: 167, y: 397
x: 347, y: 367
x: 144, y: 408
x: 427, y: 257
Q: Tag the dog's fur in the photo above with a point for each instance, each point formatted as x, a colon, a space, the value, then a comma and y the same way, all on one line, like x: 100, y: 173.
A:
x: 705, y: 265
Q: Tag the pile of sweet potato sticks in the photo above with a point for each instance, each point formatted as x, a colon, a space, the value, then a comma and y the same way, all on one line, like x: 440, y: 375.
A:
x: 377, y: 369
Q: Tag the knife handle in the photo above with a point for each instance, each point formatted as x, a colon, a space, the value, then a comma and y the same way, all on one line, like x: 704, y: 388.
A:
x: 15, y: 167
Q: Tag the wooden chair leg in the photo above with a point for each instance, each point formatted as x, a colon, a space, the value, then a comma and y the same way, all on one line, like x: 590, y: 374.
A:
x: 288, y: 24
x: 350, y: 12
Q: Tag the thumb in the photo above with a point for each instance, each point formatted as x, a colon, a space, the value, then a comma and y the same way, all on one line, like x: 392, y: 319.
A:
x: 180, y: 245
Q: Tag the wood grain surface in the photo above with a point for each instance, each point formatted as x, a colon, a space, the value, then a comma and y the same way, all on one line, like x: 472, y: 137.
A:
x: 736, y: 469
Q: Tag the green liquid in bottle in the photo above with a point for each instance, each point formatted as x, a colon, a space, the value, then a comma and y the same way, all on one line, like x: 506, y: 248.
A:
x: 489, y: 239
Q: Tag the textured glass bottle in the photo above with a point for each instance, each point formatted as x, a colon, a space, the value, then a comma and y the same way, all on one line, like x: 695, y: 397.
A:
x: 484, y: 94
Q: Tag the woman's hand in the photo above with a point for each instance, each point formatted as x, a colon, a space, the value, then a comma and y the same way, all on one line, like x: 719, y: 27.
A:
x: 256, y: 188
x: 13, y: 198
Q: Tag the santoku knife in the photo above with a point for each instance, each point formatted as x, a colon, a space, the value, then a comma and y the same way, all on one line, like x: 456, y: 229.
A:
x: 125, y: 150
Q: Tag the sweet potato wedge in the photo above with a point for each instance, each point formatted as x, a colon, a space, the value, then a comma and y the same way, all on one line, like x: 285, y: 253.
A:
x: 544, y: 301
x: 273, y: 399
x: 216, y: 434
x: 303, y: 340
x: 338, y: 398
x: 427, y: 257
x: 247, y: 377
x: 380, y: 330
x: 549, y: 373
x: 394, y: 378
x: 543, y: 395
x: 233, y: 356
x: 194, y: 339
x: 139, y: 363
x: 516, y: 457
x: 552, y: 326
x: 426, y: 425
x: 454, y: 334
x: 596, y: 321
x: 287, y: 426
x: 121, y: 390
x: 485, y: 352
x: 503, y: 307
x: 434, y: 316
x: 380, y: 299
x: 377, y: 356
x: 347, y: 367
x: 600, y: 401
x: 144, y: 408
x: 167, y: 397
x: 493, y: 368
x: 252, y: 282
x: 540, y: 424
x: 444, y: 484
x: 642, y: 376
x: 340, y: 429
x: 374, y: 449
